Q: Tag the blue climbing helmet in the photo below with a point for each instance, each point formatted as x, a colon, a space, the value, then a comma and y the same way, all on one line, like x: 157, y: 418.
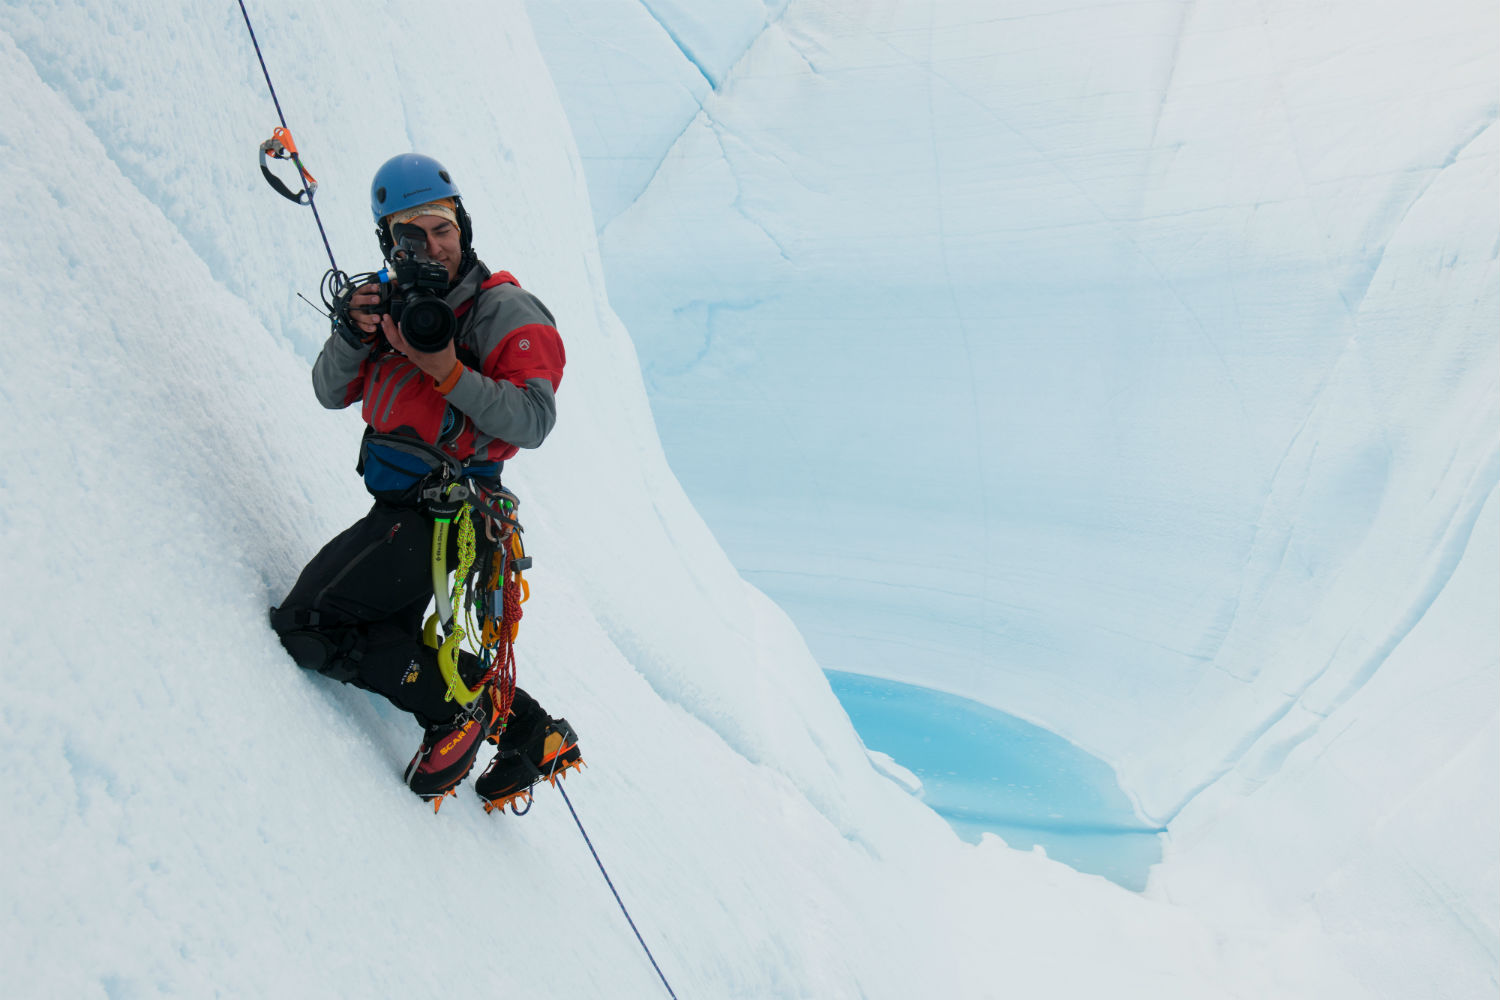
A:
x: 408, y: 180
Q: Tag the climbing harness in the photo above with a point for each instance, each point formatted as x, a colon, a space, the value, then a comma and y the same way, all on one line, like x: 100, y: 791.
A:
x: 281, y: 146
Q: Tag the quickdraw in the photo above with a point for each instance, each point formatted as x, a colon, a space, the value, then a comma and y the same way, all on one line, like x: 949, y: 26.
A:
x: 281, y: 146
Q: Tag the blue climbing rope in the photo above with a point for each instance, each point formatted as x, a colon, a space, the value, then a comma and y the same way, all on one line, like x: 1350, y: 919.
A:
x: 610, y: 882
x: 296, y: 159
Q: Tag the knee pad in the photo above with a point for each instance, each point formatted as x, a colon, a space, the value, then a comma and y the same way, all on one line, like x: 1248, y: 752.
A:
x: 319, y: 651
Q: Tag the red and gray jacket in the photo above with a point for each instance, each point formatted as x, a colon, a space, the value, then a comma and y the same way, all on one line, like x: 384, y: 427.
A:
x: 503, y: 401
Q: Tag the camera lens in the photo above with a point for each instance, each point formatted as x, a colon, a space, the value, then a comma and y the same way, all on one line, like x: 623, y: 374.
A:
x: 427, y: 323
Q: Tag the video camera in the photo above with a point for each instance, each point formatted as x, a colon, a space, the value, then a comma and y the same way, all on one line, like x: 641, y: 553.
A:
x: 412, y: 290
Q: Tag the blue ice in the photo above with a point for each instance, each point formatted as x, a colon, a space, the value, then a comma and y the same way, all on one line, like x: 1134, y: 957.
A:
x: 985, y: 771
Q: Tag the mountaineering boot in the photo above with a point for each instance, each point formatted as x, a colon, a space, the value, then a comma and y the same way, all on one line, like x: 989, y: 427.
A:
x: 447, y: 752
x: 549, y: 751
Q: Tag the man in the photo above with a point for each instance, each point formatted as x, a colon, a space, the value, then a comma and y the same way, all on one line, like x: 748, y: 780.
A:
x: 463, y: 406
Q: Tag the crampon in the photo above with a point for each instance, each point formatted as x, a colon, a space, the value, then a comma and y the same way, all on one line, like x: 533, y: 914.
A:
x: 520, y: 802
x: 548, y: 754
x: 437, y: 800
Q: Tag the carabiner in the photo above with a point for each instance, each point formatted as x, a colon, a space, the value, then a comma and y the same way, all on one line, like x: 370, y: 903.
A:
x: 281, y: 146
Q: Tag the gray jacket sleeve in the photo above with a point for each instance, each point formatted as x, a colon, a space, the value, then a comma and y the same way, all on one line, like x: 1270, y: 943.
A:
x: 335, y: 375
x: 522, y: 416
x: 513, y: 396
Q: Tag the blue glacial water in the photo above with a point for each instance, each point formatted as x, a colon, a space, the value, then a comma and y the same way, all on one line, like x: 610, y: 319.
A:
x: 985, y: 771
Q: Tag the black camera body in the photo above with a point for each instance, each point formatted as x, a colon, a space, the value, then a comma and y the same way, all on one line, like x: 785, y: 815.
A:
x: 412, y: 291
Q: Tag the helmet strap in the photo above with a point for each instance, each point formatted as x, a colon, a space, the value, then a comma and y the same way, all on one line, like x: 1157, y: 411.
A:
x: 465, y: 227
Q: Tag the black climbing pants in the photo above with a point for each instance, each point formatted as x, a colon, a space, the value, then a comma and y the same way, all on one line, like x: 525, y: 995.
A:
x: 356, y: 614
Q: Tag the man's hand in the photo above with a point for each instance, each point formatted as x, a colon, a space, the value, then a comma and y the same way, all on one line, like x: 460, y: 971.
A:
x: 365, y: 297
x: 438, y: 365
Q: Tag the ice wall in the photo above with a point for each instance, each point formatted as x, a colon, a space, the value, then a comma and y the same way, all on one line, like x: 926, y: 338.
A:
x: 1131, y: 367
x: 189, y: 813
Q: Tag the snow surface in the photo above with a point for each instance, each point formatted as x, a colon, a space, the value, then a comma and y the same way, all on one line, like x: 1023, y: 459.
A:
x: 1130, y: 367
x: 192, y: 815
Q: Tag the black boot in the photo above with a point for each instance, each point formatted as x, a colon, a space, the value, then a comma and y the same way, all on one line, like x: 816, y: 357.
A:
x: 448, y: 749
x: 548, y: 750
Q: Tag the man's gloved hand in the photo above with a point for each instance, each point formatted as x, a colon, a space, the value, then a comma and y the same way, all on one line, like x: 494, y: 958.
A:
x: 352, y: 322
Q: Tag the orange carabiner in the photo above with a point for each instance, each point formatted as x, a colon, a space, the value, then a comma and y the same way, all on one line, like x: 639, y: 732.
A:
x: 284, y: 136
x: 281, y: 146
